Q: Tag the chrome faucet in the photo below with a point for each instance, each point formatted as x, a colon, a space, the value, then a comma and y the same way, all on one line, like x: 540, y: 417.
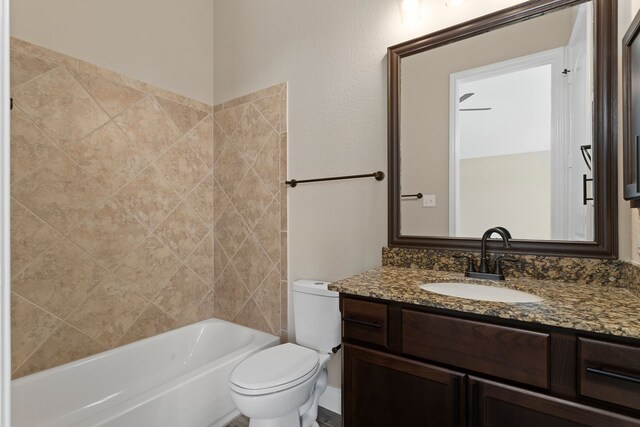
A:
x: 484, y: 270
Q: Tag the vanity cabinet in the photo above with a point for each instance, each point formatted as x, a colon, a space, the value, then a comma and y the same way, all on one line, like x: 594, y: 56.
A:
x: 407, y: 365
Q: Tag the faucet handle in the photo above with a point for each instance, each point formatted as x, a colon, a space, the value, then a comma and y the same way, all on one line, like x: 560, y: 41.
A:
x: 470, y: 265
x: 505, y: 258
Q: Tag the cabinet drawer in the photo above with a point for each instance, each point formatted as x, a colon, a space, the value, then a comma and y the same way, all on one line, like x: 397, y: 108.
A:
x: 609, y: 372
x: 364, y: 321
x: 508, y: 353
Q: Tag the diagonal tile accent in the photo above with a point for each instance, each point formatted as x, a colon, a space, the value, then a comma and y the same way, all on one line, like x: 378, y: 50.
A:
x: 201, y: 139
x: 252, y: 264
x: 220, y: 259
x: 230, y: 230
x: 201, y: 198
x: 229, y: 119
x: 108, y: 156
x: 64, y: 345
x: 148, y: 197
x: 185, y: 118
x: 59, y: 279
x: 267, y: 231
x: 60, y: 106
x: 184, y: 293
x: 149, y: 267
x: 27, y: 67
x: 201, y: 260
x: 269, y: 107
x: 231, y: 294
x: 267, y: 298
x: 251, y: 198
x: 30, y: 326
x: 112, y: 97
x: 267, y: 163
x: 147, y: 125
x: 182, y: 167
x: 252, y: 133
x: 60, y: 193
x: 220, y: 201
x: 108, y: 234
x: 30, y: 148
x: 230, y: 169
x: 251, y: 317
x: 182, y: 230
x: 220, y: 140
x: 29, y: 237
x: 152, y: 321
x: 204, y: 310
x: 109, y: 311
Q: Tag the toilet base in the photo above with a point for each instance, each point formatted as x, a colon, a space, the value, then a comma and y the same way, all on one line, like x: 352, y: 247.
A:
x: 289, y: 420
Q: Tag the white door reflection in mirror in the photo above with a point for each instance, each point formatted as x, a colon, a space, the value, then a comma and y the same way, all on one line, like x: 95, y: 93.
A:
x: 498, y: 128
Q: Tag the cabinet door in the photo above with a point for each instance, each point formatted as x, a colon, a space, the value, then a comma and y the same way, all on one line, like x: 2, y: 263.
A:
x: 498, y: 405
x: 385, y: 390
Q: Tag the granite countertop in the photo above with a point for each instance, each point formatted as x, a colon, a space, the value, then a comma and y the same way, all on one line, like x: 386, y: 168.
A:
x: 592, y: 308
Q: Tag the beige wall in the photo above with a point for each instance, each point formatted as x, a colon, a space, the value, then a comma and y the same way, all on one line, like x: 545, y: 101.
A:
x: 513, y: 191
x: 166, y: 43
x: 425, y: 109
x: 112, y: 209
x: 250, y: 206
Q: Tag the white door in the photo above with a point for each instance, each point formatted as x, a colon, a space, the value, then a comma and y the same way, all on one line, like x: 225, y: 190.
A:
x: 580, y: 104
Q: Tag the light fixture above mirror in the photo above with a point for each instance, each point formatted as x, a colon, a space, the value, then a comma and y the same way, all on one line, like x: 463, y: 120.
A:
x: 454, y: 3
x: 410, y: 10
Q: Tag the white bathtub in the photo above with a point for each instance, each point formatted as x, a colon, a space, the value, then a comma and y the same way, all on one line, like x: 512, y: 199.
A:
x: 176, y: 379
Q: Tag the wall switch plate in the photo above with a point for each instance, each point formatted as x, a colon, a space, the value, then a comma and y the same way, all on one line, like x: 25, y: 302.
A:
x: 429, y: 201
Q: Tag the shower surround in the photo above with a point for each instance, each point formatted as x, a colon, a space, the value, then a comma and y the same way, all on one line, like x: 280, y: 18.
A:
x: 113, y: 188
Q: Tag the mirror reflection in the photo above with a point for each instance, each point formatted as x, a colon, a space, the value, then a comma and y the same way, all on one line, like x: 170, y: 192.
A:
x: 497, y: 129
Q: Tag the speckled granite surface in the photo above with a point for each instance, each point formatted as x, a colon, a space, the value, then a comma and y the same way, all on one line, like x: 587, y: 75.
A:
x: 582, y: 270
x: 631, y: 277
x: 584, y: 307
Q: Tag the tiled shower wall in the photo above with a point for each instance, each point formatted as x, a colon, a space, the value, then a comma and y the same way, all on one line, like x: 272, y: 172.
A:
x: 250, y: 135
x: 112, y: 210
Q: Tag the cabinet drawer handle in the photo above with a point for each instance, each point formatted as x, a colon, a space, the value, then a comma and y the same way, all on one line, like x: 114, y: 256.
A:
x: 613, y: 375
x: 362, y: 322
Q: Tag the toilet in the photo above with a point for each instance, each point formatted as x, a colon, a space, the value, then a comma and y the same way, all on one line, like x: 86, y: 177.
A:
x: 281, y: 386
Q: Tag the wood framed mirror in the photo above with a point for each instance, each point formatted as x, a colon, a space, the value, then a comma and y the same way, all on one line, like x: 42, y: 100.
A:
x: 508, y: 120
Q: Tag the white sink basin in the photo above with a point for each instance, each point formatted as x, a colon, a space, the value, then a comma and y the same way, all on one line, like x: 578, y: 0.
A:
x: 480, y: 292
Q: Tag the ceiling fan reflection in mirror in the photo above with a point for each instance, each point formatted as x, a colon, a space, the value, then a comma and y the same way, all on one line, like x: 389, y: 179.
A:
x: 467, y: 96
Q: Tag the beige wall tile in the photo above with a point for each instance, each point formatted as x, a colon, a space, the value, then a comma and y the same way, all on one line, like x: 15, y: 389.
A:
x: 30, y: 326
x: 267, y: 298
x: 252, y: 133
x: 109, y: 234
x: 252, y: 263
x: 108, y: 156
x: 201, y: 260
x: 147, y: 125
x: 283, y: 109
x: 182, y: 167
x: 202, y: 141
x: 182, y: 230
x: 267, y: 163
x: 60, y: 106
x: 60, y: 279
x: 284, y: 309
x: 230, y: 169
x: 60, y: 193
x: 220, y: 200
x: 220, y: 259
x: 30, y: 148
x: 149, y: 267
x: 112, y: 97
x: 27, y: 67
x: 231, y: 294
x: 283, y: 256
x: 267, y: 231
x: 149, y: 197
x: 201, y: 198
x: 109, y: 311
x: 220, y: 139
x: 269, y: 107
x: 184, y: 292
x: 251, y: 198
x: 185, y: 118
x: 30, y: 236
x: 251, y: 317
x: 152, y: 321
x: 65, y: 345
x: 228, y: 119
x: 204, y: 310
x: 271, y: 90
x: 230, y: 230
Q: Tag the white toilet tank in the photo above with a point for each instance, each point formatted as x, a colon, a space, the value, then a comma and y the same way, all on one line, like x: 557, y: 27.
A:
x: 316, y: 315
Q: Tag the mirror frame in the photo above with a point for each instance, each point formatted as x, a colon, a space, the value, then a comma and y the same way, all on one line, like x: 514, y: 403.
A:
x: 605, y: 129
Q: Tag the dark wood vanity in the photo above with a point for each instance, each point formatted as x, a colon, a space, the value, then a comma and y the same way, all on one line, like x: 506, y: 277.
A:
x: 408, y: 365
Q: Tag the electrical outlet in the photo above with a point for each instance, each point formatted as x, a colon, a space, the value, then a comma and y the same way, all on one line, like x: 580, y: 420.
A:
x: 429, y: 201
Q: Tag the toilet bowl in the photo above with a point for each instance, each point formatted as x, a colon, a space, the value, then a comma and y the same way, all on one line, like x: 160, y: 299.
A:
x: 281, y: 386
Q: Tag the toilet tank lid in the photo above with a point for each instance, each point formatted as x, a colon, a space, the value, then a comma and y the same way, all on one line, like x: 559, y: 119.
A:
x: 314, y: 287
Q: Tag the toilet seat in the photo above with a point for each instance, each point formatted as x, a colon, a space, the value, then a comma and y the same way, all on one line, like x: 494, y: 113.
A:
x: 274, y: 369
